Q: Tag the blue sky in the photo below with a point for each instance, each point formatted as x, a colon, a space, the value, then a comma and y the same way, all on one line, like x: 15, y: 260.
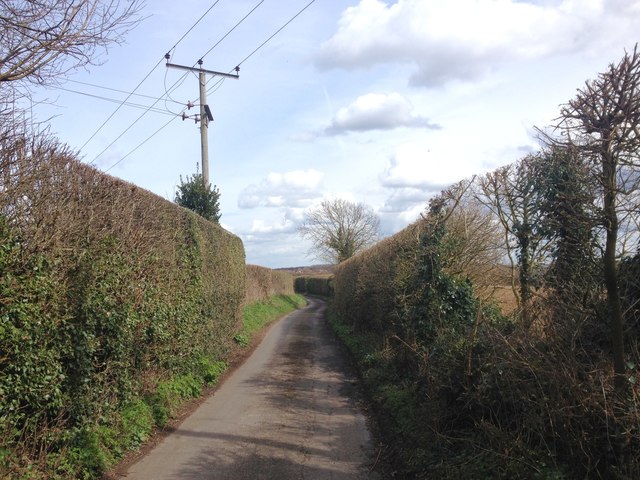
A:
x: 375, y: 101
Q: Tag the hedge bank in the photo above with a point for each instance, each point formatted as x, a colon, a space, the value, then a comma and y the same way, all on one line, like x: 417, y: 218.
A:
x: 114, y: 302
x: 263, y: 283
x: 314, y: 285
x: 464, y: 392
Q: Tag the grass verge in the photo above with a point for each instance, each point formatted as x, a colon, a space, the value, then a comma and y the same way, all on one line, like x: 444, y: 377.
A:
x: 258, y: 315
x: 96, y: 449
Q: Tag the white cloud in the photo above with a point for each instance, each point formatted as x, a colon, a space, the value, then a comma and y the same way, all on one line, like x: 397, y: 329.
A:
x: 402, y: 199
x: 272, y: 239
x: 416, y: 167
x: 377, y: 111
x: 392, y: 222
x: 261, y: 227
x: 464, y: 39
x: 297, y: 188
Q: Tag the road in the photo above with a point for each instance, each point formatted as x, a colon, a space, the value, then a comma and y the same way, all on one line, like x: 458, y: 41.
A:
x: 289, y: 412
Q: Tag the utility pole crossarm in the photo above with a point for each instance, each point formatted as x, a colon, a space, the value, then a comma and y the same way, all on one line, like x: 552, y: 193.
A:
x: 198, y: 69
x: 205, y: 111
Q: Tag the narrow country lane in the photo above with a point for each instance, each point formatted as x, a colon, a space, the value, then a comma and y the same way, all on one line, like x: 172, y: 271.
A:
x: 287, y: 413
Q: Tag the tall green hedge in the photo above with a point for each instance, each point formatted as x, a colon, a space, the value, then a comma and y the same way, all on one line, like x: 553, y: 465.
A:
x: 107, y: 292
x: 263, y: 283
x: 315, y: 285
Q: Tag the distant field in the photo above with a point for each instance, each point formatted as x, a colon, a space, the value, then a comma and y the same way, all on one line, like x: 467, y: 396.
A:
x: 506, y: 300
x: 310, y: 271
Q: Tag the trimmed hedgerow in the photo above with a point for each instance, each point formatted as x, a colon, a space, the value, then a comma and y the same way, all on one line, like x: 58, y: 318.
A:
x: 318, y: 285
x: 113, y: 303
x: 264, y: 283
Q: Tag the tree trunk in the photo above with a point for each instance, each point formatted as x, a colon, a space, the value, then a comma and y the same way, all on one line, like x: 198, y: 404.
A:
x: 611, y: 271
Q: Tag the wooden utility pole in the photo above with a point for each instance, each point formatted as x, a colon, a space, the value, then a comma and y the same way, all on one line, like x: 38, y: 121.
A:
x: 205, y: 111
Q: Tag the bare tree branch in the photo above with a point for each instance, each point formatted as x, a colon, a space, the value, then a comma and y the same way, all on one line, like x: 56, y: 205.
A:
x: 602, y: 123
x: 338, y: 229
x: 42, y: 40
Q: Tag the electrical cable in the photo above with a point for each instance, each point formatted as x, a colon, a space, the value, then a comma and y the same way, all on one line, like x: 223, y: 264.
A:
x: 114, y: 100
x: 168, y: 91
x: 232, y: 29
x: 120, y: 106
x: 142, y: 143
x: 216, y: 86
x: 147, y: 76
x: 194, y: 25
x: 174, y: 85
x: 130, y: 126
x: 110, y: 89
x: 276, y: 33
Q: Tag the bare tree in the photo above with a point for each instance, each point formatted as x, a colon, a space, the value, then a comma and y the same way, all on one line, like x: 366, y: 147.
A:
x: 473, y: 239
x: 510, y: 193
x: 41, y: 40
x: 602, y: 124
x: 339, y: 229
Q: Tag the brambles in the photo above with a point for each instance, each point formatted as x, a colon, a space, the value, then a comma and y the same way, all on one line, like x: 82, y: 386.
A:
x: 462, y: 390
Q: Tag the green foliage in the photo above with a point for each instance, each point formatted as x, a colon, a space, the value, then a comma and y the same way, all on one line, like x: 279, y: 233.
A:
x: 319, y: 285
x: 210, y: 370
x: 89, y: 454
x: 109, y: 316
x: 241, y: 339
x: 462, y: 391
x: 194, y: 195
x: 259, y: 314
x: 101, y: 330
x: 136, y: 423
x: 423, y: 349
x: 31, y: 344
x: 170, y: 393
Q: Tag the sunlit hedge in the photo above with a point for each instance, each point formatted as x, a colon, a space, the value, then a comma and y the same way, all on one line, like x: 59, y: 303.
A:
x: 106, y: 292
x: 263, y: 283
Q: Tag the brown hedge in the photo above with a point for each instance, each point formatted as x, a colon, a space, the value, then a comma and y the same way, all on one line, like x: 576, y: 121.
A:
x: 107, y: 290
x: 263, y: 283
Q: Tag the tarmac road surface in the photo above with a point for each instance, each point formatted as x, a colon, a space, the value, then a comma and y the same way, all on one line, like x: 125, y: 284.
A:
x: 289, y: 412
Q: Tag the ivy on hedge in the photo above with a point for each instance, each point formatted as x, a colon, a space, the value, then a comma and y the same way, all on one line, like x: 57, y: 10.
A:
x: 109, y: 296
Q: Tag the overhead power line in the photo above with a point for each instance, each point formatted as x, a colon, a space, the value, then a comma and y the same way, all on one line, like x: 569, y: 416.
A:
x: 216, y: 84
x: 129, y: 127
x: 147, y: 76
x: 142, y: 143
x: 102, y: 87
x: 195, y: 23
x: 170, y: 89
x: 277, y: 32
x: 233, y: 28
x: 114, y: 100
x: 120, y: 106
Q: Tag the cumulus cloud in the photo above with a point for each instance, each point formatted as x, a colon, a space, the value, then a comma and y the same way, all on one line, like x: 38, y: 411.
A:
x: 297, y: 188
x: 403, y: 199
x: 377, y: 111
x: 260, y: 226
x: 415, y: 167
x: 463, y: 39
x: 273, y: 239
